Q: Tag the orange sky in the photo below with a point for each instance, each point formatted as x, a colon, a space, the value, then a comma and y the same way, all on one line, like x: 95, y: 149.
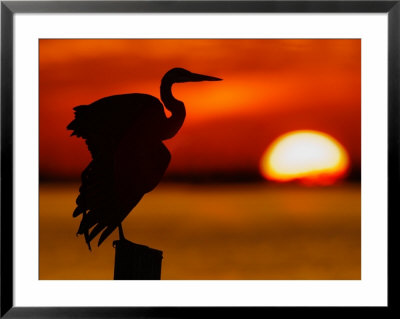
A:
x: 269, y: 87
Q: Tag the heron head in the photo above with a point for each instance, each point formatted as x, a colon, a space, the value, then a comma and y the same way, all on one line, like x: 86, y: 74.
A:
x: 179, y: 75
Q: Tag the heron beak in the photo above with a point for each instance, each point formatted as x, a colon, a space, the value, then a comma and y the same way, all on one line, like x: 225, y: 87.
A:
x: 194, y: 77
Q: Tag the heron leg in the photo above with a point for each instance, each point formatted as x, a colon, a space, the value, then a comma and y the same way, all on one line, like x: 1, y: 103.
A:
x: 121, y: 232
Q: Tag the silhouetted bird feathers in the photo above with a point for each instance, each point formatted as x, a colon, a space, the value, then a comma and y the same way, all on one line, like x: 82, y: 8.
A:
x: 103, y: 122
x: 124, y: 135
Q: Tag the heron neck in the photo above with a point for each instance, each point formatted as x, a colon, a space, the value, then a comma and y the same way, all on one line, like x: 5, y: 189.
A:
x: 176, y: 107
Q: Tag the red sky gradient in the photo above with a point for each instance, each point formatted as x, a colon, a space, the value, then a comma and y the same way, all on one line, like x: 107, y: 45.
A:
x: 269, y: 87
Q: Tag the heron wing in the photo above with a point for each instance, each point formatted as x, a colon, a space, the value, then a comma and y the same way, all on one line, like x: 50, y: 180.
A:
x: 140, y: 159
x: 139, y: 165
x: 114, y: 128
x: 96, y: 199
x: 103, y: 123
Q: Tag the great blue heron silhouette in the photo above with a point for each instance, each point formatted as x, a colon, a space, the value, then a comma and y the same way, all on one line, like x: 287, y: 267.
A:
x: 124, y: 135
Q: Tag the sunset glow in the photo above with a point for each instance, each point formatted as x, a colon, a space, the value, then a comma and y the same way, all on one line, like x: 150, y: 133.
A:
x: 308, y: 156
x: 221, y: 211
x: 269, y: 87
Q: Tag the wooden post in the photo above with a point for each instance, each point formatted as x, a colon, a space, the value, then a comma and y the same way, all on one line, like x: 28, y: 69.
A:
x: 136, y: 262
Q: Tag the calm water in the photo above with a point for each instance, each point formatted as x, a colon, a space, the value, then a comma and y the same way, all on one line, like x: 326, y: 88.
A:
x: 252, y: 231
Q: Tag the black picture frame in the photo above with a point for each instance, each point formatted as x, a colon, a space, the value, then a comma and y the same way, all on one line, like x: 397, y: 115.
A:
x: 9, y: 8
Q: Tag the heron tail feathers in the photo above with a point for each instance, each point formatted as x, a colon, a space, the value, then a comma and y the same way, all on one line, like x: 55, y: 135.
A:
x: 78, y: 126
x: 106, y: 233
x: 88, y: 221
x: 96, y: 230
x: 78, y: 210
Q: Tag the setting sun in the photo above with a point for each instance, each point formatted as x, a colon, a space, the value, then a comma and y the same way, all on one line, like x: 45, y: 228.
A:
x: 310, y: 157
